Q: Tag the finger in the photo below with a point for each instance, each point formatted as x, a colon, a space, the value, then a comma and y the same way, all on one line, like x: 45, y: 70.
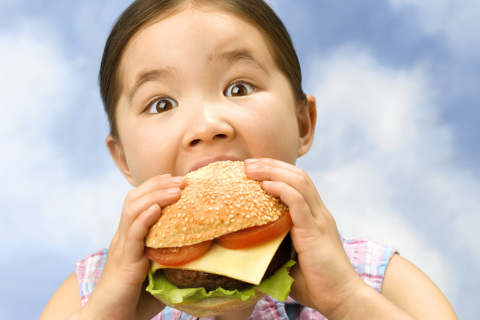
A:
x: 299, y: 287
x: 275, y: 170
x: 134, y: 244
x: 307, y: 228
x: 132, y: 211
x: 300, y: 212
x: 164, y: 181
x: 148, y: 193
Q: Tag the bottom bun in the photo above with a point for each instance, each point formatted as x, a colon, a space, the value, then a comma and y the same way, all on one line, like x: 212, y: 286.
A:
x: 214, y: 306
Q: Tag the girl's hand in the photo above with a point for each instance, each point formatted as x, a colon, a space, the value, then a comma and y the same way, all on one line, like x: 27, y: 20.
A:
x: 119, y: 292
x: 326, y: 279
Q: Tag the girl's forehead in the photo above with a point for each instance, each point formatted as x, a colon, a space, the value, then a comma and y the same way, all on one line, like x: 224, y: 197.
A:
x: 194, y: 33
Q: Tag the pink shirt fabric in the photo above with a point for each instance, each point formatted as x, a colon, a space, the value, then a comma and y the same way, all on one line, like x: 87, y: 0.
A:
x: 369, y: 259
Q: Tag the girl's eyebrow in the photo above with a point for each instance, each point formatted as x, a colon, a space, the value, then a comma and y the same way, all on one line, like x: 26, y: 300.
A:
x: 152, y: 75
x: 239, y: 56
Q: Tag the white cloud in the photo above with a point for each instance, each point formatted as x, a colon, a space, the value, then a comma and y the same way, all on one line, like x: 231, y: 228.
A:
x: 40, y: 200
x: 457, y: 20
x: 384, y: 161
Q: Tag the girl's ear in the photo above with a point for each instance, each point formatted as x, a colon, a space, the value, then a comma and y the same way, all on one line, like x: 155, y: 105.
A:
x: 118, y: 155
x: 307, y: 118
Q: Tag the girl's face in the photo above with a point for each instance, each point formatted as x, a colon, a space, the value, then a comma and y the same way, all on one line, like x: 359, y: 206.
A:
x: 201, y: 86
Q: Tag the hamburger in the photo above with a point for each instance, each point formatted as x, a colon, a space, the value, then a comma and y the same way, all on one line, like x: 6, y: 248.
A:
x: 222, y: 246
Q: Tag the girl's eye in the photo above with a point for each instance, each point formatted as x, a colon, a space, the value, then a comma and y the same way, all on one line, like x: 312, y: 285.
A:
x: 239, y: 89
x: 162, y: 105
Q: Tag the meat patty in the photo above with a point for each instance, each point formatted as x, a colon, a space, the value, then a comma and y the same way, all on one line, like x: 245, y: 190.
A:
x: 197, y: 279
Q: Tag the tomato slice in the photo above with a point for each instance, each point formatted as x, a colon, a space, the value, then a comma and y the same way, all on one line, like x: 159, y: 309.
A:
x: 177, y: 256
x: 255, y: 235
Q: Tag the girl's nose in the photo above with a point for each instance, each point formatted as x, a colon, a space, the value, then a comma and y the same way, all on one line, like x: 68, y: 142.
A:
x: 208, y: 125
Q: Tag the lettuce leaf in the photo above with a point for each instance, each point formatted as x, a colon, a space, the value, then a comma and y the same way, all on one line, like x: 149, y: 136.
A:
x: 277, y: 286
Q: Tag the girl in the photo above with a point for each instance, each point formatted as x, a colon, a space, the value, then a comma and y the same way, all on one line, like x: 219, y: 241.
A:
x: 189, y: 82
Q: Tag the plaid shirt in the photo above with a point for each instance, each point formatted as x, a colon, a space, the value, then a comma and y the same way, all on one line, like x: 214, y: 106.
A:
x: 369, y: 259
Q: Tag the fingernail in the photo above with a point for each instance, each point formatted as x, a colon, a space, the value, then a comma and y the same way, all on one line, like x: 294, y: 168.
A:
x: 251, y: 164
x: 153, y: 207
x: 178, y: 179
x: 173, y: 190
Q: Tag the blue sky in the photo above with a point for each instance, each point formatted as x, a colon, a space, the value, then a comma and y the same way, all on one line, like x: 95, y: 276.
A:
x: 395, y: 156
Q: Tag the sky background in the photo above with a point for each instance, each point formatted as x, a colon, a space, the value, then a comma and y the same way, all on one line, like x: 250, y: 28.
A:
x: 395, y: 159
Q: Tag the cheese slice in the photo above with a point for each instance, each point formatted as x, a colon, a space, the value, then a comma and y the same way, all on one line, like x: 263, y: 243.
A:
x: 248, y: 265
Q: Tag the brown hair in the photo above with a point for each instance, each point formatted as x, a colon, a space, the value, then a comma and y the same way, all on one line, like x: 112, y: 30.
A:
x: 140, y: 12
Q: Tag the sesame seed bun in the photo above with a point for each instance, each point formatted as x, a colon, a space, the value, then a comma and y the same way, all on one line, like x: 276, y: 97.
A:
x: 218, y: 199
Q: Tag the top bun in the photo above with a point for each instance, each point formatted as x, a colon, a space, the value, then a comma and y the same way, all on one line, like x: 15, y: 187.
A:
x: 218, y: 199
